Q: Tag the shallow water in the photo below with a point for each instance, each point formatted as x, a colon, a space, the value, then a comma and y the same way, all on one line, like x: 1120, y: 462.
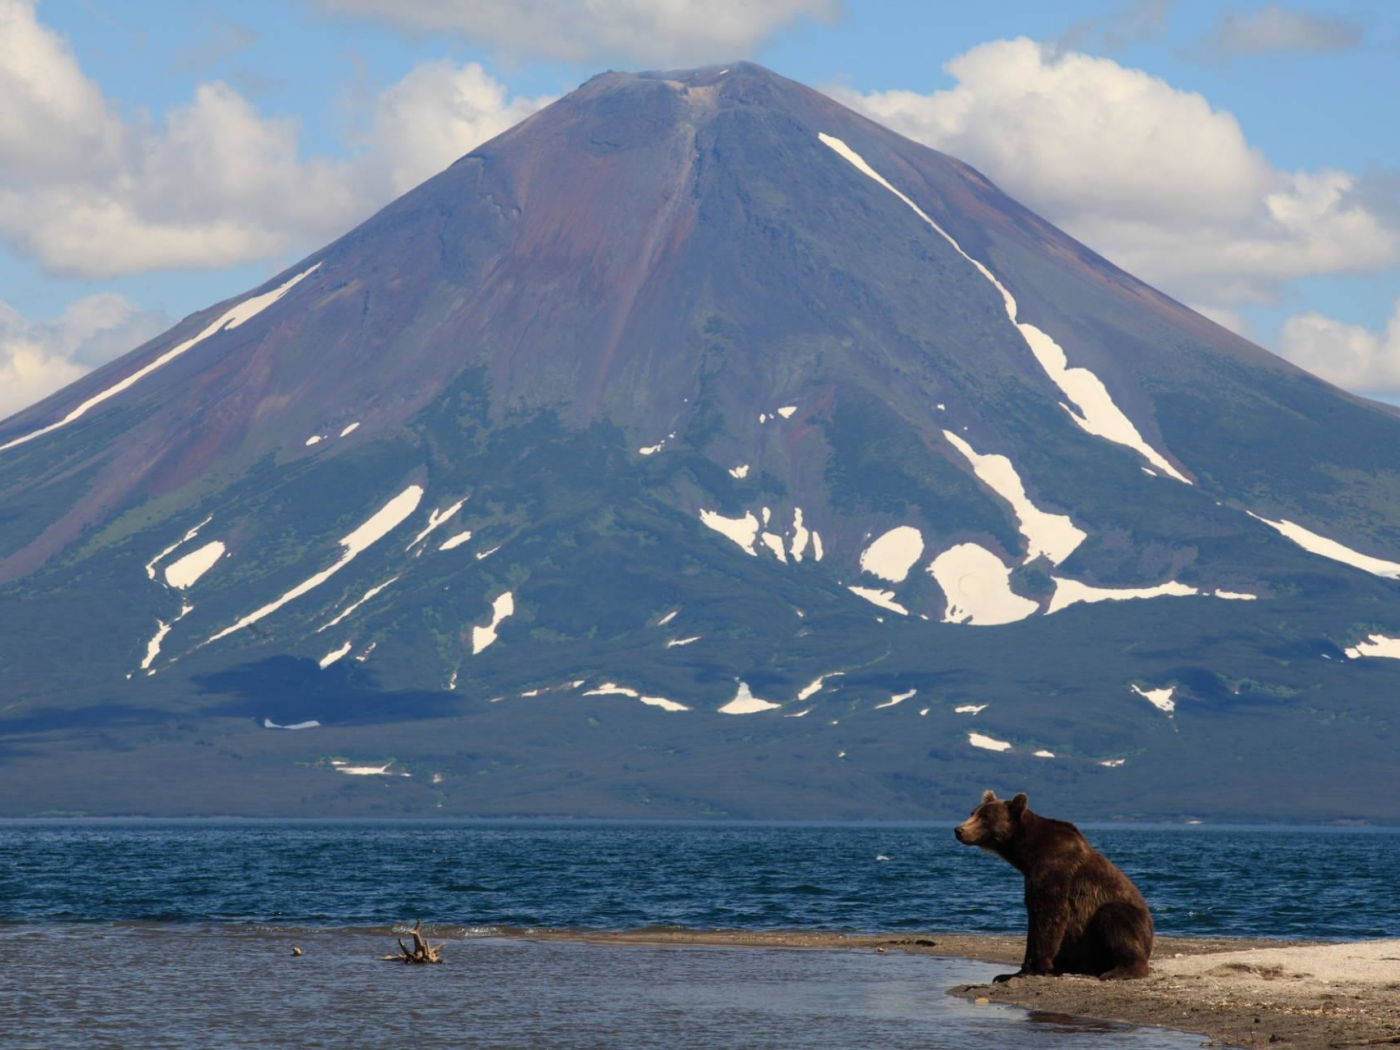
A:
x: 190, y: 986
x: 1276, y: 882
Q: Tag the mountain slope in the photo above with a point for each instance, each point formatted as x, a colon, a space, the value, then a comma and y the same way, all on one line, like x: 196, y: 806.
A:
x: 732, y: 389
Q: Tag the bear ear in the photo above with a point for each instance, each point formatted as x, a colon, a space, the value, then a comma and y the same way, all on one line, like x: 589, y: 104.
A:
x: 1018, y: 804
x: 988, y: 796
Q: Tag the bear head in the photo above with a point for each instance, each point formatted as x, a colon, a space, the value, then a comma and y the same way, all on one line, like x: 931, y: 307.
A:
x: 994, y: 823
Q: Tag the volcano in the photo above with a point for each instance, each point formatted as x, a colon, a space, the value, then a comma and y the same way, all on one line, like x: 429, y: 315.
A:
x: 699, y: 447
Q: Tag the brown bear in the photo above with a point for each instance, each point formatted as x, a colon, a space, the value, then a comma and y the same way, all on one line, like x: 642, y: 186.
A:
x: 1083, y: 915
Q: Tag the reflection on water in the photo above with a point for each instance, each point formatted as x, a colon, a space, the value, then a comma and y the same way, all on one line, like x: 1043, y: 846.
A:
x: 158, y: 986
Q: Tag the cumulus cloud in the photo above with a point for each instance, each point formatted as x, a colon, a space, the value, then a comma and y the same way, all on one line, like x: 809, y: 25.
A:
x: 434, y: 115
x: 1349, y: 355
x: 39, y: 357
x: 1276, y: 28
x: 660, y: 31
x: 1151, y: 176
x: 213, y: 183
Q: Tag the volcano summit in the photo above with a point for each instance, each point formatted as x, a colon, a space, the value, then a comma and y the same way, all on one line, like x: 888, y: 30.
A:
x: 699, y: 447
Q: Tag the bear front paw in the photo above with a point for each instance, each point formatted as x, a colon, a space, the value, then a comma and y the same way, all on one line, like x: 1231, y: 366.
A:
x: 1002, y: 978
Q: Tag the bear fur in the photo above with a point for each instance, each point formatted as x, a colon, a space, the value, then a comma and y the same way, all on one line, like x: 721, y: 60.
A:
x: 1083, y: 915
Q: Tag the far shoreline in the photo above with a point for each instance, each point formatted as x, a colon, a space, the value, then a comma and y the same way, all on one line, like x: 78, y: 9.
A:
x: 1335, y: 826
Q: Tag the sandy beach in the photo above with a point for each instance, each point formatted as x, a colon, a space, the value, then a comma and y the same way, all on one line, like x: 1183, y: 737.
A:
x: 1236, y: 991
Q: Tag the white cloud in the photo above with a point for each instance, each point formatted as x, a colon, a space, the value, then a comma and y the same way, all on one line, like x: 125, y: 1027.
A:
x: 663, y: 31
x: 39, y: 357
x: 1349, y: 355
x: 1276, y: 28
x: 1153, y: 177
x: 434, y: 115
x: 213, y: 183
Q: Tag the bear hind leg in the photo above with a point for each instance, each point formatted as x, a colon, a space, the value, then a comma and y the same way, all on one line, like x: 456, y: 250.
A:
x: 1122, y: 940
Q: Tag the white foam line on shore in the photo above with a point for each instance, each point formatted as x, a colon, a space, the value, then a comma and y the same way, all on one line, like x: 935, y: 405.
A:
x: 231, y: 318
x: 1099, y: 415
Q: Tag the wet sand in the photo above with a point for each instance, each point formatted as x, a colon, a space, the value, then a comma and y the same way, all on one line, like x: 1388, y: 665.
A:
x: 1302, y: 996
x: 1236, y: 991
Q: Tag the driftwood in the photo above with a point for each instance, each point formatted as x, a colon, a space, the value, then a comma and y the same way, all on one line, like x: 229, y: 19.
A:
x: 423, y: 951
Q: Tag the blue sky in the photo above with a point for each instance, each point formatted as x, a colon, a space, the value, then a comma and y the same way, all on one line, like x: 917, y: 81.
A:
x: 162, y: 156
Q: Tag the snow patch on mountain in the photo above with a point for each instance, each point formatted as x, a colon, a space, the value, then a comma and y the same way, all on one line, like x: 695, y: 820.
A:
x: 383, y: 521
x: 745, y: 703
x: 978, y: 587
x: 1072, y: 592
x: 501, y: 608
x: 185, y: 573
x: 1376, y: 645
x: 774, y: 543
x: 355, y: 605
x: 800, y: 535
x: 988, y: 743
x: 435, y: 519
x: 1315, y: 544
x: 613, y: 689
x: 151, y: 565
x: 1053, y: 535
x: 162, y: 629
x: 814, y: 687
x: 334, y: 655
x: 884, y: 599
x: 231, y: 318
x: 1161, y: 699
x: 453, y: 542
x: 743, y: 531
x: 893, y: 554
x: 898, y: 698
x: 1098, y: 413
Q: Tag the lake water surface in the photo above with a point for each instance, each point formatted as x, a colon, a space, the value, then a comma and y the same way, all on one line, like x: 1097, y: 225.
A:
x: 178, y: 934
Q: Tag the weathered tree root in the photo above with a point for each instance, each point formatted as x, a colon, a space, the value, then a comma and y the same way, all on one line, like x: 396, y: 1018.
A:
x: 423, y: 952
